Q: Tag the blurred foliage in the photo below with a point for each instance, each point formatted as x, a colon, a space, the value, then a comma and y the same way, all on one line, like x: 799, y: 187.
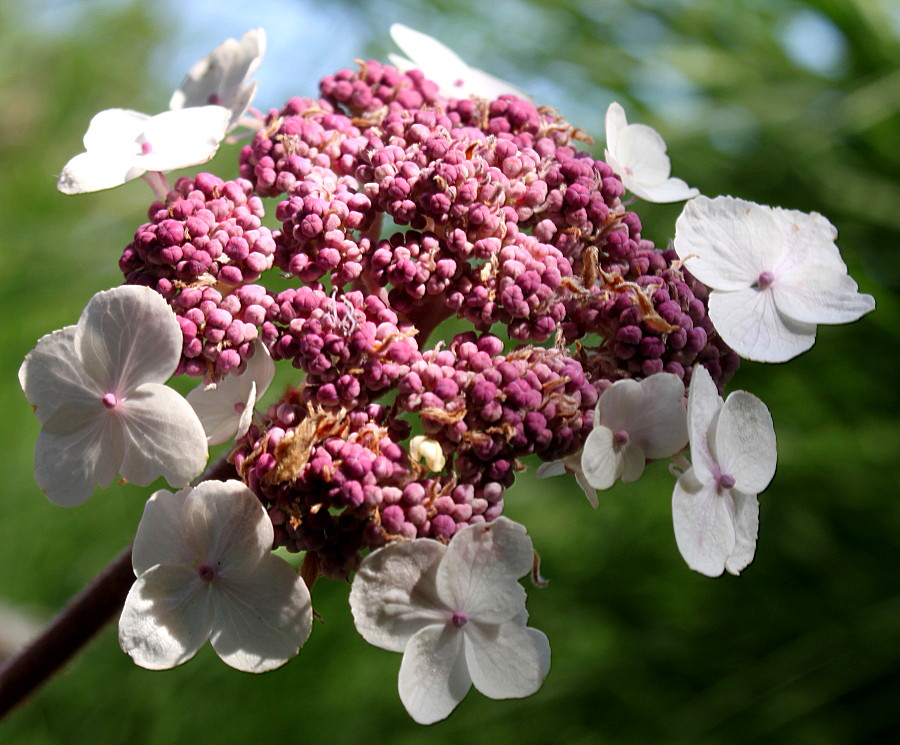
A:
x: 802, y: 649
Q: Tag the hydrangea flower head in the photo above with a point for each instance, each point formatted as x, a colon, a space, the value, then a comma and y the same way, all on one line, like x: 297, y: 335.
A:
x: 121, y: 145
x: 226, y: 409
x: 442, y: 65
x: 457, y: 612
x: 205, y: 570
x: 220, y: 78
x: 714, y: 507
x: 775, y: 274
x: 634, y: 421
x: 97, y: 390
x: 637, y: 154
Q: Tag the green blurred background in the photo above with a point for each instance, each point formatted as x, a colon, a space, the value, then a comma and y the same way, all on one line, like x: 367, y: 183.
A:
x: 783, y: 102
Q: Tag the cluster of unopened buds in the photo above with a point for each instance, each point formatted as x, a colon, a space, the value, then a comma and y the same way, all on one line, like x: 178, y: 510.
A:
x: 406, y: 195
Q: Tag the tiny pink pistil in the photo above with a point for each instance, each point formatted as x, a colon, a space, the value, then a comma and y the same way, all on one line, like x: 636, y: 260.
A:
x: 206, y: 573
x: 146, y: 148
x: 110, y: 401
x: 239, y: 407
x: 766, y: 278
x: 621, y: 438
x: 724, y: 481
x: 459, y: 619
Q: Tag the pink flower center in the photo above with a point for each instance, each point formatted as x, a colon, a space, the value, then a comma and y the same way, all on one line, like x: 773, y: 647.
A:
x: 459, y: 619
x: 620, y: 438
x: 724, y: 481
x: 765, y: 279
x: 239, y: 407
x: 110, y: 401
x: 214, y: 99
x: 206, y: 573
x: 146, y: 148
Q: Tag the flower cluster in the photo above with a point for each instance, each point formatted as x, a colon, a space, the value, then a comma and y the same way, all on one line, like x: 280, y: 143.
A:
x: 404, y: 196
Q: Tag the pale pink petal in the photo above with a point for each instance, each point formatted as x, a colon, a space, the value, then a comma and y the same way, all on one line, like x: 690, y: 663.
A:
x: 601, y: 461
x: 393, y: 593
x: 703, y: 408
x: 128, y: 336
x: 704, y: 525
x: 818, y: 293
x: 167, y: 617
x: 224, y: 523
x: 506, y: 660
x: 479, y: 570
x: 262, y: 619
x: 163, y: 437
x: 79, y: 447
x: 744, y: 442
x: 746, y: 527
x: 433, y: 675
x: 749, y: 322
x: 52, y: 375
x: 159, y: 538
x: 727, y: 243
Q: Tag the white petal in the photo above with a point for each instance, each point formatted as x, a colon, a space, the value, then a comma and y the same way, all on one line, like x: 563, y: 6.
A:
x: 159, y: 538
x: 819, y: 293
x: 182, y: 138
x: 550, y: 469
x: 660, y: 425
x: 115, y: 129
x: 393, y: 593
x: 704, y: 404
x: 619, y: 405
x: 128, y: 336
x: 589, y: 491
x: 224, y: 524
x: 506, y: 660
x: 163, y: 437
x: 616, y: 121
x: 433, y: 676
x: 166, y: 618
x: 670, y: 190
x: 261, y: 619
x: 97, y: 170
x: 749, y: 322
x: 601, y: 462
x: 744, y: 442
x: 633, y: 461
x: 643, y: 150
x: 704, y: 525
x: 52, y: 375
x: 78, y: 447
x: 746, y: 527
x: 478, y: 574
x: 728, y: 242
x: 226, y: 411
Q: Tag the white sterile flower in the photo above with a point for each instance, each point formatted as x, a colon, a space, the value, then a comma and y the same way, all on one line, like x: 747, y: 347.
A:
x: 637, y: 154
x: 205, y: 570
x: 633, y: 422
x: 442, y: 65
x: 774, y: 274
x: 457, y: 613
x: 97, y: 390
x: 714, y: 506
x: 220, y: 78
x: 122, y: 145
x: 226, y: 409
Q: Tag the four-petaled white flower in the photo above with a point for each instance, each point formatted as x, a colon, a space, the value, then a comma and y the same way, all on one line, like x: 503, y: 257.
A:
x: 774, y: 274
x: 637, y: 154
x: 714, y: 506
x: 205, y: 570
x: 226, y: 409
x: 122, y: 145
x: 97, y: 390
x: 633, y: 422
x: 442, y: 65
x: 220, y: 78
x: 457, y: 613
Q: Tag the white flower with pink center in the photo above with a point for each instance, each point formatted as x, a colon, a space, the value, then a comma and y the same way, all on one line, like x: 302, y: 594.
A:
x: 205, y: 570
x: 226, y: 408
x: 714, y: 507
x: 774, y: 274
x: 442, y: 65
x: 122, y: 145
x: 457, y: 613
x: 220, y: 78
x: 637, y: 155
x: 97, y: 390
